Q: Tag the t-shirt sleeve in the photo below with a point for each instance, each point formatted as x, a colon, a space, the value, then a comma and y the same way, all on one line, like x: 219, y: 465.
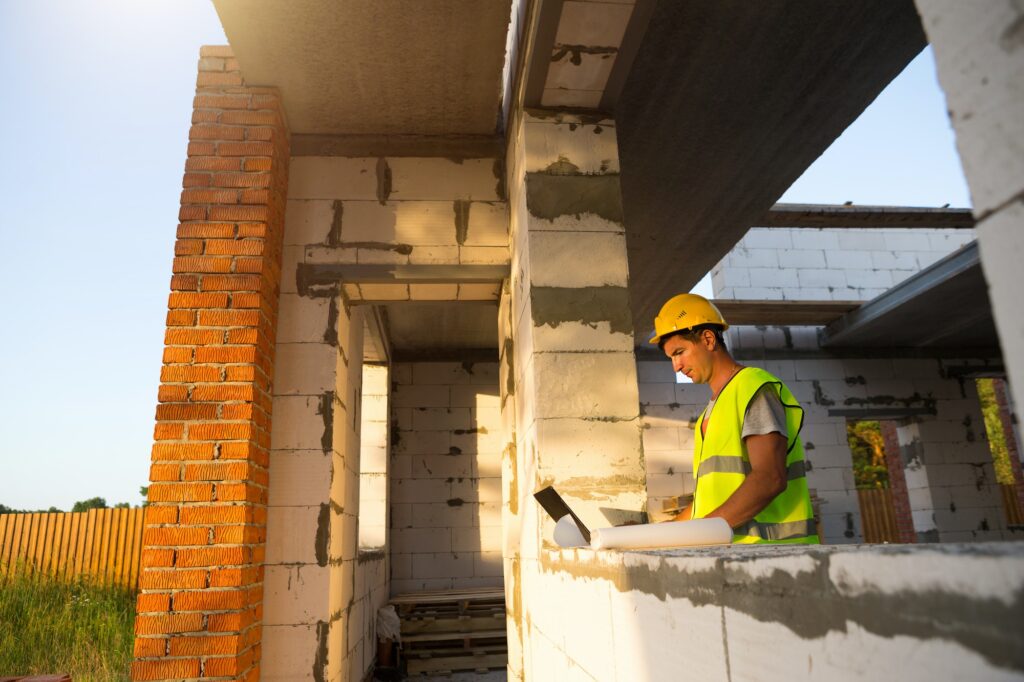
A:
x: 765, y: 414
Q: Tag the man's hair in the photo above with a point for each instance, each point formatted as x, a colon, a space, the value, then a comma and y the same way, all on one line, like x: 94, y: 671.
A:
x: 694, y: 334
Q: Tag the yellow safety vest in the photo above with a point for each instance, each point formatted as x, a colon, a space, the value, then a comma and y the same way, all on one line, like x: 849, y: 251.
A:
x: 721, y: 463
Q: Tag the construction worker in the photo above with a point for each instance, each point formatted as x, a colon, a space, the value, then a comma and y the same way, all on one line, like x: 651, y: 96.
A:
x: 748, y: 460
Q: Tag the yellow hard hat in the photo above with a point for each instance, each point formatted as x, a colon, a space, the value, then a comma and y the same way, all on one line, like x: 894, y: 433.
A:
x: 685, y: 311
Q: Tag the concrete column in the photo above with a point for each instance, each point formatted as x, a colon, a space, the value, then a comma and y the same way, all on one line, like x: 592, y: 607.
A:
x: 979, y: 52
x: 569, y: 378
x: 200, y: 608
x: 313, y: 619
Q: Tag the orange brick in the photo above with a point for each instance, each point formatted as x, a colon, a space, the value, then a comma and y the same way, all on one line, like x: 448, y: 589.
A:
x: 184, y: 283
x: 202, y: 149
x: 238, y: 213
x: 213, y: 600
x: 206, y: 79
x: 185, y: 411
x: 264, y: 134
x: 243, y: 336
x: 231, y: 283
x: 175, y: 537
x: 225, y: 354
x: 246, y: 300
x: 209, y: 644
x: 236, y: 577
x: 167, y: 394
x: 174, y: 579
x: 208, y: 131
x: 193, y: 337
x: 250, y: 265
x: 239, y: 492
x: 168, y: 431
x: 259, y: 118
x: 188, y: 247
x: 196, y: 180
x: 225, y: 666
x: 170, y: 669
x: 153, y: 603
x: 245, y: 149
x: 241, y: 180
x: 247, y: 451
x: 213, y: 393
x: 237, y: 535
x: 168, y: 624
x: 189, y: 373
x: 149, y: 647
x: 205, y: 116
x: 210, y: 196
x: 235, y: 247
x: 159, y: 513
x: 157, y: 557
x: 178, y: 354
x: 202, y: 264
x: 165, y: 472
x: 253, y: 196
x: 253, y: 165
x: 212, y: 163
x: 180, y: 492
x: 220, y: 513
x: 181, y: 318
x: 217, y: 471
x: 211, y: 556
x: 237, y: 410
x: 194, y: 300
x: 192, y: 213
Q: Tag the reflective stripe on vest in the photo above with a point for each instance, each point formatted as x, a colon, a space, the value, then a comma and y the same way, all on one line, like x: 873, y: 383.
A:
x: 721, y: 464
x: 728, y: 464
x: 792, y: 530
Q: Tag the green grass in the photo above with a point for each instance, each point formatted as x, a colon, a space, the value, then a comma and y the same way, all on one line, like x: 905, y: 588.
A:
x: 53, y: 626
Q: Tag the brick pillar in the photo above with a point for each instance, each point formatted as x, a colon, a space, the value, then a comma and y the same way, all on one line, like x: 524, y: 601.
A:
x: 1010, y: 435
x: 897, y: 483
x: 200, y: 605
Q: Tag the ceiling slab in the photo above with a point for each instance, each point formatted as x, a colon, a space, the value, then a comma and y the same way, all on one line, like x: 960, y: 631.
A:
x: 943, y: 306
x: 726, y: 104
x: 404, y: 67
x: 435, y: 330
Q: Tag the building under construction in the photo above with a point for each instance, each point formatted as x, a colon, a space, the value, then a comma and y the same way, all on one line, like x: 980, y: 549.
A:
x: 420, y: 249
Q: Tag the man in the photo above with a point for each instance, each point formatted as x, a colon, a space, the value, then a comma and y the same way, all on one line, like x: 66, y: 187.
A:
x: 748, y: 460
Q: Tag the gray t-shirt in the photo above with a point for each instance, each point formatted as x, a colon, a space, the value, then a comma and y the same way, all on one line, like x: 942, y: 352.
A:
x: 765, y: 413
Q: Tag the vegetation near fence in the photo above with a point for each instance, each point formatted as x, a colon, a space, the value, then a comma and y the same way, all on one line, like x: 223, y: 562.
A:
x: 100, y: 545
x: 51, y: 625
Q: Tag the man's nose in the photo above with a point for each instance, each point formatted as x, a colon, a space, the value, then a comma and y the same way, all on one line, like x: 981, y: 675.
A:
x: 677, y: 365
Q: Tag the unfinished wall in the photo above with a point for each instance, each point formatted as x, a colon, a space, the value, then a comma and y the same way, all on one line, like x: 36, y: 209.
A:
x: 373, y: 459
x: 445, y: 482
x: 829, y: 264
x: 775, y: 613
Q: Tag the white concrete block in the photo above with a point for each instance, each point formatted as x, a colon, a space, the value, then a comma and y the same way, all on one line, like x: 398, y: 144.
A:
x: 587, y: 385
x: 861, y: 240
x: 298, y: 423
x: 479, y: 292
x: 332, y: 177
x: 768, y: 238
x: 483, y: 255
x: 294, y: 595
x: 307, y: 221
x: 596, y: 24
x: 304, y: 368
x: 848, y: 260
x: 287, y: 648
x: 413, y: 490
x: 590, y: 74
x: 802, y: 258
x: 555, y: 259
x: 384, y: 292
x: 434, y: 255
x: 298, y: 477
x: 810, y: 238
x: 744, y: 255
x: 551, y: 146
x: 443, y: 179
x: 292, y: 534
x: 421, y: 395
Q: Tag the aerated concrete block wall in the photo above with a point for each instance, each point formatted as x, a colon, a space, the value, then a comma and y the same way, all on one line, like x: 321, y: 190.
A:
x: 777, y: 614
x: 373, y: 458
x: 949, y: 472
x: 445, y: 481
x: 829, y: 264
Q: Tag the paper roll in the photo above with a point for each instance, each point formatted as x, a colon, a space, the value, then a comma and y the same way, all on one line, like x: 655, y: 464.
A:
x: 663, y: 535
x: 567, y: 533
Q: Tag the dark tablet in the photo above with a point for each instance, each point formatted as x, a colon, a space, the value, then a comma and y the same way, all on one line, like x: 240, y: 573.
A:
x: 555, y: 506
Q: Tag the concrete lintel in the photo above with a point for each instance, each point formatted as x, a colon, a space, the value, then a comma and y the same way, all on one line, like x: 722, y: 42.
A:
x: 539, y: 58
x: 328, y: 273
x: 446, y: 355
x: 826, y: 215
x: 447, y: 146
x: 631, y: 41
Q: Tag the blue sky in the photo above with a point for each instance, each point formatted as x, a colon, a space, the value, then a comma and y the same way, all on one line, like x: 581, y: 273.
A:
x: 98, y: 97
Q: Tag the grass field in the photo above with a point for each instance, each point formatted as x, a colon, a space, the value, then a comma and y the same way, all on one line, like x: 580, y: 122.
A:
x: 50, y: 626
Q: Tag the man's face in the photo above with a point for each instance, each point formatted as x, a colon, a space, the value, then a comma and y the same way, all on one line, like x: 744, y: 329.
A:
x: 695, y: 360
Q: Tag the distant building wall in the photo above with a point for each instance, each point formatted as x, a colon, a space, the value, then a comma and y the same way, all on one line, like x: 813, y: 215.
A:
x: 445, y: 476
x: 828, y: 264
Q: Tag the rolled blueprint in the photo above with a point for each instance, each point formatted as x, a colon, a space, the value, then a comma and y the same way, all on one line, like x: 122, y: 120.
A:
x: 663, y: 535
x: 567, y: 533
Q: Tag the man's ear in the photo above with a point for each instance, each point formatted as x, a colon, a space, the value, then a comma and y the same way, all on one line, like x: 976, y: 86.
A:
x: 709, y: 343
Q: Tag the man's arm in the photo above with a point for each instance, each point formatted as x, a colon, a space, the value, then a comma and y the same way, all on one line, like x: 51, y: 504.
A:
x: 685, y: 514
x: 767, y: 478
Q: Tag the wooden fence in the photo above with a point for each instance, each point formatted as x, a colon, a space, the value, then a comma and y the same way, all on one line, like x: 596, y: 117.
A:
x: 878, y: 515
x: 100, y: 544
x: 1011, y: 504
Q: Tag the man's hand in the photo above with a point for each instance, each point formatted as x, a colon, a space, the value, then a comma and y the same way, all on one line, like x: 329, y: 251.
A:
x: 767, y: 478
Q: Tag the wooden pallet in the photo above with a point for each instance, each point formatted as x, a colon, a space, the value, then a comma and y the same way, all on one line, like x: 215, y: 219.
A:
x: 453, y: 630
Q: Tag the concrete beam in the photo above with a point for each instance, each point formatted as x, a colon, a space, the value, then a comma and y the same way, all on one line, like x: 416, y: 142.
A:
x: 824, y: 215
